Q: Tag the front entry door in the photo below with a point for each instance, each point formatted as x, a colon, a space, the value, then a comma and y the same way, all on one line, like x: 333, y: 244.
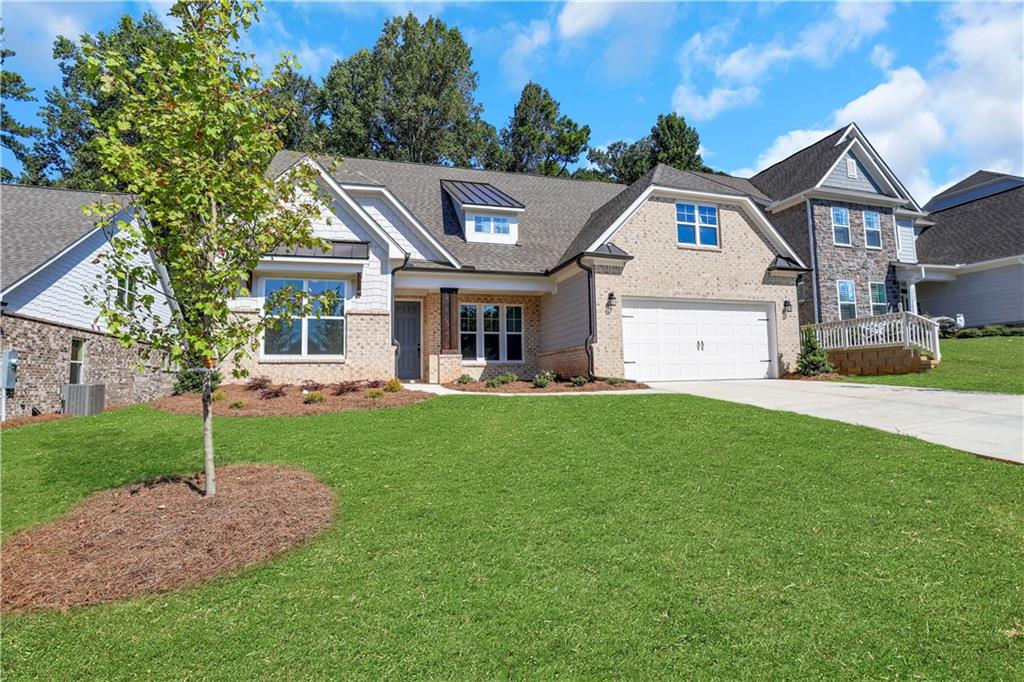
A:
x: 407, y: 332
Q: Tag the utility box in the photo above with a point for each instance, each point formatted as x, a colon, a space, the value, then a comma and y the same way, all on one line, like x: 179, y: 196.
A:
x: 81, y: 400
x: 8, y: 370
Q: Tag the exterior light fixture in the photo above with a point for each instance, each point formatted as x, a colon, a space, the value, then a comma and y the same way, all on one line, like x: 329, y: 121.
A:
x: 611, y: 300
x: 787, y: 307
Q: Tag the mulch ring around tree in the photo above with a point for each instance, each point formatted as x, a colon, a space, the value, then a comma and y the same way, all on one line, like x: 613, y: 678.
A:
x: 237, y: 400
x: 147, y: 538
x: 521, y: 386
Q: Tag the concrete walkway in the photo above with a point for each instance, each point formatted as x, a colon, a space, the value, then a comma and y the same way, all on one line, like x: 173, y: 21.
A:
x: 985, y: 424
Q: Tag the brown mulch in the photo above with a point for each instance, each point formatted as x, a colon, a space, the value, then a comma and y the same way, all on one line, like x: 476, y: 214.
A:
x: 38, y: 419
x: 154, y: 537
x: 288, y: 405
x: 554, y: 387
x: 829, y: 376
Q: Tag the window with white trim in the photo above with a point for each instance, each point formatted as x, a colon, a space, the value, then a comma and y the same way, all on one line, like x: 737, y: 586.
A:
x: 77, y: 361
x: 841, y: 225
x: 851, y: 168
x: 696, y: 225
x: 489, y: 332
x: 498, y: 229
x: 879, y: 298
x: 308, y: 336
x: 126, y: 291
x: 847, y: 299
x: 872, y: 230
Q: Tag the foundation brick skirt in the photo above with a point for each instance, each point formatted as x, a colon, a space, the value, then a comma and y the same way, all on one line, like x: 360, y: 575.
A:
x: 870, y: 361
x: 567, y: 361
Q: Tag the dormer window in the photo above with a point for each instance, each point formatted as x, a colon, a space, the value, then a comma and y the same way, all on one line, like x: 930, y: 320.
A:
x: 486, y: 213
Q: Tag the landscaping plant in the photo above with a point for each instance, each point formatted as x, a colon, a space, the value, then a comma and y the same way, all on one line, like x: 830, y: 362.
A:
x: 257, y: 383
x: 375, y: 394
x: 393, y: 386
x: 190, y: 145
x: 465, y: 379
x: 543, y: 379
x: 313, y: 398
x: 272, y: 392
x: 311, y: 385
x: 236, y: 404
x: 578, y: 381
x: 813, y: 359
x: 345, y: 387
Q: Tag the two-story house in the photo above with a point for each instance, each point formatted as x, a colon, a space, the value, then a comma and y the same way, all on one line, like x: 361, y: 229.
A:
x: 851, y: 220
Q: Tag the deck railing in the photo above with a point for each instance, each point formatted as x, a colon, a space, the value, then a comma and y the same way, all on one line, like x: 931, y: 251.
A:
x: 905, y: 330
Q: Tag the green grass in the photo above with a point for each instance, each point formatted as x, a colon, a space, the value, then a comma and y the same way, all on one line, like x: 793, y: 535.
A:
x: 993, y: 363
x: 634, y: 537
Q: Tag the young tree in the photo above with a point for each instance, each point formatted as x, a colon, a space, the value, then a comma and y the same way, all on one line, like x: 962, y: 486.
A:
x: 203, y: 127
x: 12, y: 132
x: 540, y: 140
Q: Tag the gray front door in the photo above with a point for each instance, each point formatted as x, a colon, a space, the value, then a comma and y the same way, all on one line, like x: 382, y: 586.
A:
x: 407, y: 332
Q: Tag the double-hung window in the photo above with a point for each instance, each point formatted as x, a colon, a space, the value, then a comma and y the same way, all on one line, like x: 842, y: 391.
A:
x: 872, y: 230
x: 77, y: 361
x: 126, y: 291
x: 489, y: 332
x: 847, y: 299
x: 879, y: 299
x: 313, y: 336
x: 696, y: 225
x: 841, y: 225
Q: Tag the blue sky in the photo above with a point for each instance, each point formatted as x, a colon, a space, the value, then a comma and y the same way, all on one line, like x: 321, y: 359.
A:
x: 937, y: 87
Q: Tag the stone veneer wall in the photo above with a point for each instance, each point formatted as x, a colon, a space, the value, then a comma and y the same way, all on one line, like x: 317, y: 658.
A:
x: 44, y: 353
x: 856, y: 262
x: 662, y: 269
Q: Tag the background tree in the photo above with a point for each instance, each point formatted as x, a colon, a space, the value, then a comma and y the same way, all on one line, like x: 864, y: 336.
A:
x: 671, y: 141
x: 12, y: 132
x: 189, y: 142
x: 538, y: 139
x: 65, y: 147
x: 301, y: 94
x: 620, y: 161
x: 675, y: 143
x: 347, y: 110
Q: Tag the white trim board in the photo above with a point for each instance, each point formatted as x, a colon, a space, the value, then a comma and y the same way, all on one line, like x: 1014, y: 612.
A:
x: 746, y: 202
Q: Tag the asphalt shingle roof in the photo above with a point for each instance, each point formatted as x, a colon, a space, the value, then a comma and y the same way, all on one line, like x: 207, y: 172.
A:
x: 37, y: 223
x: 984, y: 229
x: 972, y: 188
x: 801, y: 170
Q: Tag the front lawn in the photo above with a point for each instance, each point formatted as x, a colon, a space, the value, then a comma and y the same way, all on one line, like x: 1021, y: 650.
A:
x: 638, y: 537
x: 993, y: 363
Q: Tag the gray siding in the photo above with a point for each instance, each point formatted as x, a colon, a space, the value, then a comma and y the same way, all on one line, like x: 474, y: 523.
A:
x: 985, y: 297
x: 862, y: 183
x: 564, y: 320
x: 906, y: 241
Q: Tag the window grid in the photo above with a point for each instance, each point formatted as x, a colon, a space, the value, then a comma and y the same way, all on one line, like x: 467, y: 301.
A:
x: 697, y: 225
x: 847, y: 299
x: 879, y: 298
x: 77, y: 361
x: 872, y: 230
x: 308, y: 336
x: 491, y: 332
x: 841, y: 226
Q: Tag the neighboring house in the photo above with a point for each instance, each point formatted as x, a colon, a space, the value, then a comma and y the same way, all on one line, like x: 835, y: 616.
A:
x: 49, y: 262
x: 851, y: 220
x: 971, y: 261
x: 445, y: 271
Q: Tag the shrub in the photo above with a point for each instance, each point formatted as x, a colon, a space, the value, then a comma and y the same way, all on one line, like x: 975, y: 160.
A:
x: 393, y: 386
x: 969, y: 333
x: 272, y: 392
x: 375, y: 383
x: 257, y: 384
x: 218, y: 396
x: 541, y: 380
x: 947, y: 327
x: 313, y: 398
x: 345, y: 387
x: 191, y: 380
x: 615, y: 381
x: 989, y: 330
x: 236, y: 404
x: 465, y: 379
x: 502, y: 379
x: 812, y: 359
x: 578, y: 380
x: 375, y: 393
x: 311, y: 385
x: 493, y: 383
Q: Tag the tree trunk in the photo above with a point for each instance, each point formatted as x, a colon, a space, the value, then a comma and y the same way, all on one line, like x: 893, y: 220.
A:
x: 211, y: 478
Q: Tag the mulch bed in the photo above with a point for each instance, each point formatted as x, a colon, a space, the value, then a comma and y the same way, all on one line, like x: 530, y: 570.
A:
x: 291, y: 403
x: 38, y: 419
x: 554, y: 387
x: 154, y: 537
x: 829, y: 376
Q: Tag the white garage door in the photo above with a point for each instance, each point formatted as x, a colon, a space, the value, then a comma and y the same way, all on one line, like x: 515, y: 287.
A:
x: 680, y: 340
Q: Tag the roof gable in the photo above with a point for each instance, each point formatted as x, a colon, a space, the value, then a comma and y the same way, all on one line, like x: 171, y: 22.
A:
x: 800, y: 170
x: 978, y: 186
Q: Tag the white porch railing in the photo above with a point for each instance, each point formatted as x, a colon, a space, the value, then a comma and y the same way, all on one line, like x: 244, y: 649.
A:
x: 906, y: 330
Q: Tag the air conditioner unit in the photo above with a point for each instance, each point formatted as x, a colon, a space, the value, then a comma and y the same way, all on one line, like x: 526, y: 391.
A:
x: 81, y: 400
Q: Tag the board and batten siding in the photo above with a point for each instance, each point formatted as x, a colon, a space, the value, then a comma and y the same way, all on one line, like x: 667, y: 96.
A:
x: 906, y: 241
x: 564, y: 318
x: 862, y: 183
x: 986, y: 297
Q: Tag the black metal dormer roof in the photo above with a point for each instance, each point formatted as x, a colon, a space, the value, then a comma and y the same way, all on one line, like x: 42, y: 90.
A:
x: 478, y: 194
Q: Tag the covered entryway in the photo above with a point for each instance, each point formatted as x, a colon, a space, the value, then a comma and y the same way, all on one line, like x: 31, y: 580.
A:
x: 674, y: 340
x: 408, y: 333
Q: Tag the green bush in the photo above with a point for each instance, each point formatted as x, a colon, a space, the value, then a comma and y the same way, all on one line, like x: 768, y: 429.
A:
x: 465, y: 379
x: 236, y: 404
x: 393, y: 386
x: 812, y: 359
x: 579, y: 381
x: 989, y: 330
x: 191, y: 380
x: 502, y: 379
x: 615, y: 381
x: 313, y: 398
x: 541, y: 380
x: 947, y: 327
x: 375, y: 393
x: 218, y: 396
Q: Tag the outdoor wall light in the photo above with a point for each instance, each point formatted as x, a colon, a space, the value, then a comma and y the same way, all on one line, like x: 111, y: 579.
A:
x: 787, y: 307
x: 611, y: 300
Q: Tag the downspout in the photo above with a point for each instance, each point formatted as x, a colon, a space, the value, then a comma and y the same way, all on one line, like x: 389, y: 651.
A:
x: 812, y: 240
x: 591, y: 310
x: 394, y: 340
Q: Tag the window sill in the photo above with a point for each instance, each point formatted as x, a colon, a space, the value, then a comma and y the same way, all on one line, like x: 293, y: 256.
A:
x: 301, y: 359
x: 873, y: 248
x: 845, y: 246
x: 490, y: 363
x: 697, y: 247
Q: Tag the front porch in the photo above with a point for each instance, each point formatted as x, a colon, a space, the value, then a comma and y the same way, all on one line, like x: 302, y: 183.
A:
x: 895, y: 343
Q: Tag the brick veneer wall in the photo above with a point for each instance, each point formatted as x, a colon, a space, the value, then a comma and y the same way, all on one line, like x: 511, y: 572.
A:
x: 44, y: 353
x: 856, y: 262
x: 567, y: 362
x: 662, y: 269
x: 870, y: 361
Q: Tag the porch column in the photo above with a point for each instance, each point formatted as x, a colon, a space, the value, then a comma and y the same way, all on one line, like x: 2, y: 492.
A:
x: 449, y: 321
x: 912, y: 297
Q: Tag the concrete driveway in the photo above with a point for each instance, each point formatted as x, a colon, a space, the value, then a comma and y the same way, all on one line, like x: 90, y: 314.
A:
x: 983, y: 423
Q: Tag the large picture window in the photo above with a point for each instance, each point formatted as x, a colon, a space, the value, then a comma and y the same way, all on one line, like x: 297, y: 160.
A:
x: 872, y: 230
x: 841, y: 225
x: 696, y: 225
x: 309, y: 335
x: 489, y: 332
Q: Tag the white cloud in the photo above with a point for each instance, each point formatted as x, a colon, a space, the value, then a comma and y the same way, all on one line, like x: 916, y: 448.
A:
x: 882, y: 57
x: 521, y: 56
x: 578, y: 19
x: 693, y: 105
